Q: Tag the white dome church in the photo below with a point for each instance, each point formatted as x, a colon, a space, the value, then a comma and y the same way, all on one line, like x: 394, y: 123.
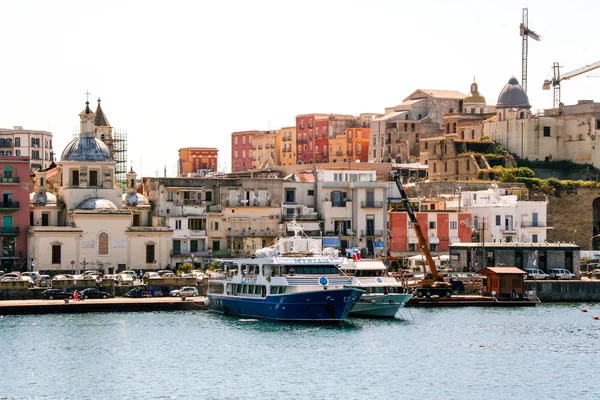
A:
x: 88, y: 222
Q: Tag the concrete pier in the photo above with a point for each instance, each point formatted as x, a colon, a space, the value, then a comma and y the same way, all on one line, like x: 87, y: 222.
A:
x: 118, y: 304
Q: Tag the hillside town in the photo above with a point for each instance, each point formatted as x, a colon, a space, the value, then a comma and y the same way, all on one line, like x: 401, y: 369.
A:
x: 475, y: 173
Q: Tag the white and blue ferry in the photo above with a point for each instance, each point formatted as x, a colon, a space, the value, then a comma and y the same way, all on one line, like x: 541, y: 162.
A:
x: 293, y: 280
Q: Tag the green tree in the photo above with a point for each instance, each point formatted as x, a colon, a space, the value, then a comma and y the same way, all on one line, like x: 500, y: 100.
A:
x: 184, y: 268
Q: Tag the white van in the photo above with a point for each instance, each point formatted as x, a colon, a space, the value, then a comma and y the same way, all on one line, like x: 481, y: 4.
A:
x: 537, y: 274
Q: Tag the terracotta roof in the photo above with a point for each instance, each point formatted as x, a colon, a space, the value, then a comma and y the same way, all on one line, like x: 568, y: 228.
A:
x: 503, y: 270
x: 442, y: 94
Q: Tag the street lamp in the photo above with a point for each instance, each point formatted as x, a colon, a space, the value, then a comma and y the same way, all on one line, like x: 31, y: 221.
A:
x: 591, y: 245
x: 573, y: 237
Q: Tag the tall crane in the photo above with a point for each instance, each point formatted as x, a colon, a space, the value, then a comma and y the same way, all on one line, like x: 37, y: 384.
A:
x: 555, y: 82
x: 526, y: 33
x: 433, y: 282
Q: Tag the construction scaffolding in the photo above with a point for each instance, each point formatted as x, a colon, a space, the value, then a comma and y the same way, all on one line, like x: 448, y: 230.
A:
x: 118, y: 148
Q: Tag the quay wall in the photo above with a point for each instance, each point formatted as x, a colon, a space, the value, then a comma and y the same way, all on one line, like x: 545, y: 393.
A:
x: 565, y: 291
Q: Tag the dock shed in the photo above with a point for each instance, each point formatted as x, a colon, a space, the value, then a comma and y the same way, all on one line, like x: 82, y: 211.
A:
x: 545, y: 256
x: 504, y: 282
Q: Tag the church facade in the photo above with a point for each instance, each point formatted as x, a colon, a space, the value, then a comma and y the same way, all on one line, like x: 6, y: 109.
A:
x: 81, y: 220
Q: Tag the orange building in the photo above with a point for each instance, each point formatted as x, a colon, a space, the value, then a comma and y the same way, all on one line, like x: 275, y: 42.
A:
x: 358, y: 144
x: 199, y: 160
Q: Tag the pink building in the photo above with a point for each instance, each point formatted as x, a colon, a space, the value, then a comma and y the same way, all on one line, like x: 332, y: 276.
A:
x: 14, y: 211
x: 441, y: 229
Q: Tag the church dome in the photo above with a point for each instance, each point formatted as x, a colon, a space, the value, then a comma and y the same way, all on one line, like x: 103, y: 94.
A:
x: 87, y: 149
x: 513, y: 95
x: 97, y: 204
x: 474, y: 97
x: 41, y: 198
x: 135, y: 199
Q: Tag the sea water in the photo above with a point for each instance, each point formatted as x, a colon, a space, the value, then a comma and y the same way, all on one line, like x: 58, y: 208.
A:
x: 545, y: 352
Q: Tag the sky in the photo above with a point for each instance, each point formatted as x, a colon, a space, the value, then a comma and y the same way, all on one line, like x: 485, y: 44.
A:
x: 182, y: 73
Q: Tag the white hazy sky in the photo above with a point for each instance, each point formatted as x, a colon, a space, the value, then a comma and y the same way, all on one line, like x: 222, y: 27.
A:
x: 188, y: 73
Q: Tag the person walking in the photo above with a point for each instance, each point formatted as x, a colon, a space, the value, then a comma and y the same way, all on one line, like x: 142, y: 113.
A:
x: 75, y: 295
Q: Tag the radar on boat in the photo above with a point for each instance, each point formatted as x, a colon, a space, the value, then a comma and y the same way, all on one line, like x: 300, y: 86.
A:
x: 330, y: 252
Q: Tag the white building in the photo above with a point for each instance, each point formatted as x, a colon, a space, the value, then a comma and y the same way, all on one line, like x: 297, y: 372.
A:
x: 502, y: 217
x: 81, y: 220
x: 350, y: 204
x: 37, y: 145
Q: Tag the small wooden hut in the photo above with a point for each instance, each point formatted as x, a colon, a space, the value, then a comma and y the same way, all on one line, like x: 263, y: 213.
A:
x: 504, y: 282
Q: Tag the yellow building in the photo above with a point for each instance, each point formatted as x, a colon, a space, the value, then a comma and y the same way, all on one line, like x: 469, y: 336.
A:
x: 286, y: 147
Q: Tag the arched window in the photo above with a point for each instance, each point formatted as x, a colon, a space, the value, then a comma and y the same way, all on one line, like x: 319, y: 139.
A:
x: 580, y: 137
x: 103, y: 244
x: 499, y: 117
x: 522, y: 115
x: 569, y: 138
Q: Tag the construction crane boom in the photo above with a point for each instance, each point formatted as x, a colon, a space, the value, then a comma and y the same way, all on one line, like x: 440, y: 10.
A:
x: 526, y: 33
x: 555, y: 82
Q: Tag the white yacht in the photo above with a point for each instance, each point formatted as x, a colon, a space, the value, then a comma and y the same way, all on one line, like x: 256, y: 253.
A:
x: 383, y: 295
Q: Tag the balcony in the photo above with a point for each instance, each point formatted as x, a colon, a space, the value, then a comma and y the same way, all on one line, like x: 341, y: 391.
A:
x: 221, y: 253
x: 341, y: 203
x: 305, y: 216
x: 339, y: 153
x: 533, y: 225
x: 371, y: 204
x: 253, y: 147
x: 284, y: 150
x: 302, y: 141
x: 260, y: 146
x: 13, y: 205
x: 508, y: 229
x: 324, y: 154
x: 310, y: 137
x: 349, y: 152
x: 371, y: 233
x: 14, y: 179
x: 349, y: 138
x: 12, y: 231
x: 388, y: 141
x: 180, y: 253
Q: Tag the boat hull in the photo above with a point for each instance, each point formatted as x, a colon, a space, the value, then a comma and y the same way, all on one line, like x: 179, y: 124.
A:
x: 379, y: 306
x: 328, y: 306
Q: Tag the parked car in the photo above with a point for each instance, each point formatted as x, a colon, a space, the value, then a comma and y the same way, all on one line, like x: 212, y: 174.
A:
x: 93, y: 293
x: 44, y: 281
x: 561, y: 273
x: 165, y: 271
x: 11, y: 276
x: 133, y: 274
x: 34, y: 275
x: 125, y: 279
x: 595, y: 274
x: 139, y: 291
x: 151, y: 275
x: 537, y: 274
x: 186, y: 291
x: 92, y: 272
x: 27, y: 279
x: 51, y: 294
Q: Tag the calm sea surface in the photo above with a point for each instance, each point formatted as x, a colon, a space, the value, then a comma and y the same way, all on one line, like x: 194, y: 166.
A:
x: 546, y: 352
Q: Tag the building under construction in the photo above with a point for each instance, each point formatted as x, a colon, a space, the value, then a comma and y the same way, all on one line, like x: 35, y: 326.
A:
x: 116, y: 140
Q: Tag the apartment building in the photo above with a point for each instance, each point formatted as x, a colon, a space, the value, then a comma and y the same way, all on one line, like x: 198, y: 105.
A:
x: 197, y: 160
x: 15, y: 212
x: 34, y: 144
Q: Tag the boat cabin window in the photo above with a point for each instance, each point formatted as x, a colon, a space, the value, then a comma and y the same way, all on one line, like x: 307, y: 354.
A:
x: 250, y: 269
x: 324, y: 269
x: 278, y: 289
x: 215, y: 287
x: 370, y: 272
